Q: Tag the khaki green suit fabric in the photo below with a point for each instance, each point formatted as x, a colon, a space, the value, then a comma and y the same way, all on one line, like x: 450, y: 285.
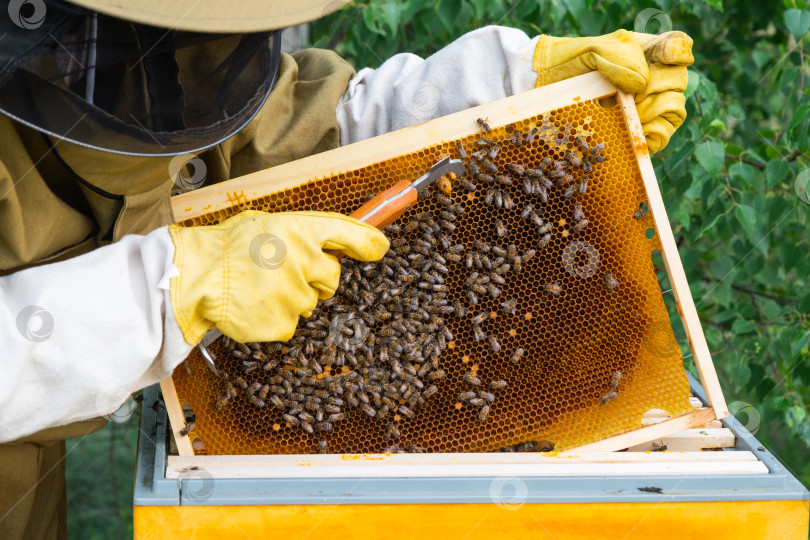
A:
x: 59, y: 200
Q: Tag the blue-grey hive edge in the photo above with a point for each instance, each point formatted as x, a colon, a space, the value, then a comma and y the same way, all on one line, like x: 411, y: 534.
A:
x: 152, y: 488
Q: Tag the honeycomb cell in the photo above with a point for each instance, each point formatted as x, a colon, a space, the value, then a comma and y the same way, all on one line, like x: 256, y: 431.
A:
x: 552, y: 327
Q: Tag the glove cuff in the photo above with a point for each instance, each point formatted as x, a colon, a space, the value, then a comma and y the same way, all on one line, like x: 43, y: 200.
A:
x: 198, y: 292
x: 541, y: 62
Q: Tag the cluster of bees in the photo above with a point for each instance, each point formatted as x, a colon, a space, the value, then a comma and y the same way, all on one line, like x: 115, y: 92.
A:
x: 376, y: 345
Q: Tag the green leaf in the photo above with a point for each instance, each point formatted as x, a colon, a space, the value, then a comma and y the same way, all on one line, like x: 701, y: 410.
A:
x: 692, y: 84
x: 721, y: 267
x: 722, y: 293
x: 776, y: 170
x: 799, y: 116
x: 447, y: 12
x: 710, y: 155
x: 804, y: 303
x: 747, y: 218
x: 741, y: 326
x: 797, y: 22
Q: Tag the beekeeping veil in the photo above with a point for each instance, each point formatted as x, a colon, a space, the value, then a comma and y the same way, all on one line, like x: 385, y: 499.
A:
x: 143, y: 77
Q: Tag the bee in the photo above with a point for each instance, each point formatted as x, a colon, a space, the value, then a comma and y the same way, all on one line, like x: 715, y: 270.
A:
x: 569, y: 192
x: 449, y: 225
x: 444, y: 200
x: 467, y: 184
x: 472, y: 379
x: 598, y: 149
x: 610, y: 282
x: 482, y: 123
x: 504, y: 179
x: 483, y: 413
x: 478, y: 334
x: 528, y: 210
x: 406, y: 411
x: 438, y: 375
x: 573, y: 159
x: 483, y: 141
x: 498, y: 385
x: 486, y: 396
x: 517, y: 168
x: 461, y: 152
x: 187, y: 429
x: 582, y: 144
x: 543, y: 242
x: 186, y: 368
x: 486, y: 178
x: 528, y: 186
x: 607, y: 398
x: 545, y: 228
x: 494, y: 344
x: 537, y: 220
x: 392, y: 432
x: 489, y: 198
x: 578, y: 212
x: 323, y: 446
x: 491, y: 167
x: 508, y: 202
x: 640, y: 213
x: 580, y: 225
x: 430, y: 391
x: 498, y: 198
x: 509, y: 306
x: 544, y: 164
x: 553, y: 288
x: 500, y: 228
x: 615, y: 379
x: 518, y: 262
x: 657, y: 269
x: 255, y: 401
x: 493, y: 152
x: 480, y: 318
x: 583, y: 186
x: 543, y: 192
x: 221, y: 401
x: 477, y: 402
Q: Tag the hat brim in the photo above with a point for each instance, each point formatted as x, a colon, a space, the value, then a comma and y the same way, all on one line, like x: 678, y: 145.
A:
x: 215, y: 16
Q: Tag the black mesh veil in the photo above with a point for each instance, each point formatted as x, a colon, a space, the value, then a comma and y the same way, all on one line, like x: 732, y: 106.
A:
x: 130, y: 88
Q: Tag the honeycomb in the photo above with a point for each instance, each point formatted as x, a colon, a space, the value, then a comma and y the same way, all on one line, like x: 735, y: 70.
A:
x: 584, y: 342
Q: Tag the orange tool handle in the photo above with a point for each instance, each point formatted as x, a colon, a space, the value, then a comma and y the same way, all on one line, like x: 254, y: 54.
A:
x: 391, y: 211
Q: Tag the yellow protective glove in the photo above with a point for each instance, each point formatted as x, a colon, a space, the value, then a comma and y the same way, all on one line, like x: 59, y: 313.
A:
x: 252, y: 275
x: 651, y: 66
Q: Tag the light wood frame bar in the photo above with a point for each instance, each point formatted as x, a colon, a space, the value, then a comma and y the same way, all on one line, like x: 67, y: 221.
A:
x: 509, y: 110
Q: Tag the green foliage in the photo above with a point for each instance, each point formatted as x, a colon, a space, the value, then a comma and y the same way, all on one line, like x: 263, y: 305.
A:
x: 728, y: 175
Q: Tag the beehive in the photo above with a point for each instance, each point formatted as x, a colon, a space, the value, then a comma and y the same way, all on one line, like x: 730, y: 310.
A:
x: 576, y: 330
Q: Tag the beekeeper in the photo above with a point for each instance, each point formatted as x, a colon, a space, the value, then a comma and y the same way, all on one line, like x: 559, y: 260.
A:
x: 97, y: 98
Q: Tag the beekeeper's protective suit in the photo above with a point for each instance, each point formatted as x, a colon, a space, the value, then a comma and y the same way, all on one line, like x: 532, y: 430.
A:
x: 100, y: 297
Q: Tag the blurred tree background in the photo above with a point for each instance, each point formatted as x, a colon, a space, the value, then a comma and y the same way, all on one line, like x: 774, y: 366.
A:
x: 734, y: 177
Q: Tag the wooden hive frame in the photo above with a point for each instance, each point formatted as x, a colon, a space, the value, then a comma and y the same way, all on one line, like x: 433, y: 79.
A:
x: 587, y: 87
